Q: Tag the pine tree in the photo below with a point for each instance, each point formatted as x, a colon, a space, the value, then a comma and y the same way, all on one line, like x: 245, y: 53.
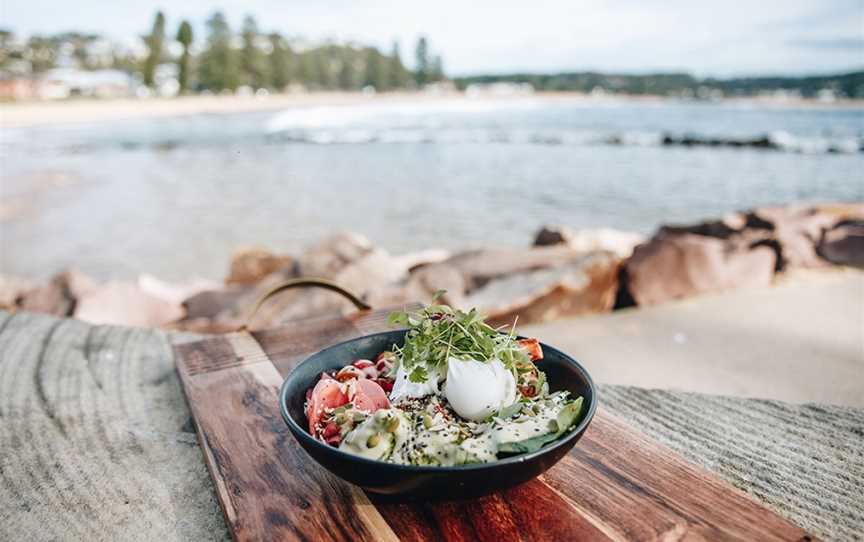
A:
x: 280, y: 62
x: 421, y: 54
x: 436, y: 71
x: 347, y: 70
x: 398, y: 75
x: 218, y: 65
x: 154, y: 43
x: 184, y: 36
x: 253, y: 62
x: 375, y: 75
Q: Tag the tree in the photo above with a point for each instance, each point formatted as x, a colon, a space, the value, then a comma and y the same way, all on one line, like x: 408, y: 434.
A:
x: 253, y: 62
x: 280, y: 62
x: 41, y: 52
x: 185, y: 37
x: 376, y: 68
x: 218, y: 65
x: 421, y: 54
x: 436, y: 71
x: 397, y: 74
x: 154, y: 43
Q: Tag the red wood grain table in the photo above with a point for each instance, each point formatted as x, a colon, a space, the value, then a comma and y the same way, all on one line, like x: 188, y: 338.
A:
x: 616, y: 484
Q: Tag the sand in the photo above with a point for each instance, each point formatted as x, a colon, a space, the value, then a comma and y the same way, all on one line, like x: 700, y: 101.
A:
x: 94, y: 110
x: 800, y: 341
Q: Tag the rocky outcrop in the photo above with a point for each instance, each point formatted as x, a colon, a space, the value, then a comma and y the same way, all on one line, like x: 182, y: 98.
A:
x: 59, y: 296
x: 250, y: 265
x: 792, y: 232
x: 585, y: 285
x: 124, y: 303
x: 678, y: 266
x: 480, y: 266
x: 844, y: 244
x: 12, y: 290
x: 333, y: 254
x: 421, y: 285
x: 618, y: 242
x: 566, y: 273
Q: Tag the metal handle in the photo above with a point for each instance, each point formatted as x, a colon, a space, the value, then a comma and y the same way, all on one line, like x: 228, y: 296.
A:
x: 305, y: 283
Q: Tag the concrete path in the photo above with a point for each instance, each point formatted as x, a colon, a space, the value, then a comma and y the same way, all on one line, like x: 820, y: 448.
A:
x: 799, y: 341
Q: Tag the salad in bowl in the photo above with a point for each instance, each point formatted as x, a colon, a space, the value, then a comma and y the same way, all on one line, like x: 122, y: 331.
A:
x: 455, y: 392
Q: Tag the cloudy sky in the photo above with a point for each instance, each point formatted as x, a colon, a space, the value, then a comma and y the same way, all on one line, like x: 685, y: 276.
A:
x: 720, y: 38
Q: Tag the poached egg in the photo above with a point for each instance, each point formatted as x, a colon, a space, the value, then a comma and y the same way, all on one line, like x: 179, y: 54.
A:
x: 476, y: 390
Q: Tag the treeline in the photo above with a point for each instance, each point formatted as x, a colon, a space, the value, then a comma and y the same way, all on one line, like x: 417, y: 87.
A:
x: 225, y: 60
x: 849, y: 85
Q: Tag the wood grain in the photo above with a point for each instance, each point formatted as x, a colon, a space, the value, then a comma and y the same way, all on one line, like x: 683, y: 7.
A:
x: 261, y: 478
x: 615, y: 485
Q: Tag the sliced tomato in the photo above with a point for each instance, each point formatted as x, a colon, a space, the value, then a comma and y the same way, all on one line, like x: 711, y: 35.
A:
x: 362, y: 363
x: 532, y: 346
x: 349, y: 372
x: 326, y: 394
x: 369, y: 396
x: 386, y: 384
x: 367, y: 367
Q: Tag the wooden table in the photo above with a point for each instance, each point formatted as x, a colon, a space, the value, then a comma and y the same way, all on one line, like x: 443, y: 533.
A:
x: 96, y: 442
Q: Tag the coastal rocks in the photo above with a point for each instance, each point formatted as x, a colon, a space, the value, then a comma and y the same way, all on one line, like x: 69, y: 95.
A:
x: 58, y: 297
x: 421, y: 285
x: 332, y: 254
x: 621, y: 243
x: 480, y: 266
x: 844, y: 244
x: 792, y: 232
x: 582, y: 286
x: 250, y: 265
x: 677, y: 266
x: 124, y: 303
x: 12, y: 290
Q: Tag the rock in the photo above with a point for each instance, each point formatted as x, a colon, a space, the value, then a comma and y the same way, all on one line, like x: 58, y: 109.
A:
x: 250, y: 265
x: 678, y: 266
x: 421, y: 286
x: 12, y: 290
x: 792, y: 232
x: 372, y: 270
x: 174, y: 292
x: 584, y: 286
x: 844, y: 244
x: 331, y: 255
x: 842, y: 211
x: 212, y: 303
x: 415, y: 260
x: 589, y: 240
x: 60, y: 295
x: 124, y: 303
x: 724, y: 228
x: 360, y: 274
x: 552, y: 235
x: 480, y: 266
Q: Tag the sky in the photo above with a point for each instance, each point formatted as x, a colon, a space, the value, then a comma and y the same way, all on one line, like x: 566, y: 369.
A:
x: 706, y: 38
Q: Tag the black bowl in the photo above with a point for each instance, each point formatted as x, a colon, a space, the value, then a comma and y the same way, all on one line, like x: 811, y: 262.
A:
x: 409, y: 481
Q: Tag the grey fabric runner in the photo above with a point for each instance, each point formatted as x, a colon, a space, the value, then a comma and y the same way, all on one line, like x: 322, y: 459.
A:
x: 96, y: 442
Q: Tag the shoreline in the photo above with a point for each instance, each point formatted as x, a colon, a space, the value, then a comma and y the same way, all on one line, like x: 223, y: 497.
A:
x: 29, y: 114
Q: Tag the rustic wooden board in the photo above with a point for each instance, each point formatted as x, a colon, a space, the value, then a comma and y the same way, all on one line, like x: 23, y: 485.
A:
x: 615, y: 485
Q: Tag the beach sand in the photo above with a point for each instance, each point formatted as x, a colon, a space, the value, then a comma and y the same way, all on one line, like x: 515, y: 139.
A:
x: 93, y: 110
x: 800, y: 341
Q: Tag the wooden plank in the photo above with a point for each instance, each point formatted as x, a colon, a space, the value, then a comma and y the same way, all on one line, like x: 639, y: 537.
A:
x: 638, y: 489
x: 616, y: 484
x: 263, y: 481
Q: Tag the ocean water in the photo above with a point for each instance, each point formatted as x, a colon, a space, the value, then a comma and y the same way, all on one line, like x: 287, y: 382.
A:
x: 175, y: 196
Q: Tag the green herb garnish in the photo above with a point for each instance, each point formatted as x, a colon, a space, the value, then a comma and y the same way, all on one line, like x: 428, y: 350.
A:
x: 438, y: 332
